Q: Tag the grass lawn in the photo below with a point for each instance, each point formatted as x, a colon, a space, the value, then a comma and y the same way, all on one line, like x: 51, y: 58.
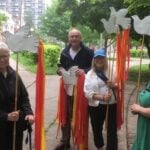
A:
x: 30, y: 65
x: 145, y: 73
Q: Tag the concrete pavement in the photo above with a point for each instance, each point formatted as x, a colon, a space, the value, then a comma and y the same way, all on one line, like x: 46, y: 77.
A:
x: 52, y: 83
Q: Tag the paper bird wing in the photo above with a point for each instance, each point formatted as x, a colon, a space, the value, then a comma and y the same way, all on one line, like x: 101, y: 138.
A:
x: 31, y: 43
x: 146, y: 22
x: 112, y: 11
x: 24, y: 30
x: 120, y: 18
x: 10, y: 40
x: 24, y: 43
x: 142, y: 26
x: 147, y: 19
x: 122, y: 12
x: 7, y: 34
x: 110, y: 25
x: 21, y: 40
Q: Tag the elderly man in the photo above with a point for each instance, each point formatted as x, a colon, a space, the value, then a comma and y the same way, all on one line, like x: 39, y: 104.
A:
x: 80, y: 57
x: 8, y: 114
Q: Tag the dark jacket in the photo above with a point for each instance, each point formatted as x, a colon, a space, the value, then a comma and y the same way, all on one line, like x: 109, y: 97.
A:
x: 7, y: 102
x: 83, y: 58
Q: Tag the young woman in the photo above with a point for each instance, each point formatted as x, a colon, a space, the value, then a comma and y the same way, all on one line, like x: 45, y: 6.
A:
x: 98, y: 91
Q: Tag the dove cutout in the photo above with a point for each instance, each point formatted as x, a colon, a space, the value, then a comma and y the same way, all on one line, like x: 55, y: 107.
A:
x: 109, y: 25
x: 23, y: 39
x: 121, y: 18
x: 116, y: 18
x: 142, y: 26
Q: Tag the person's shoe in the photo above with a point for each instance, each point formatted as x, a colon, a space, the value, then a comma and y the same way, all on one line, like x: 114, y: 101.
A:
x: 62, y: 146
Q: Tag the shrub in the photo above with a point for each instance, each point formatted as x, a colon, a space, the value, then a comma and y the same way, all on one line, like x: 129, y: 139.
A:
x: 32, y: 57
x: 29, y: 60
x: 145, y: 73
x: 52, y: 53
x: 137, y: 53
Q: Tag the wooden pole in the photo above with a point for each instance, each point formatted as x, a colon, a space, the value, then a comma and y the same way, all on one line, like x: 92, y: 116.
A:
x: 110, y: 74
x: 16, y: 99
x: 16, y: 88
x: 139, y: 74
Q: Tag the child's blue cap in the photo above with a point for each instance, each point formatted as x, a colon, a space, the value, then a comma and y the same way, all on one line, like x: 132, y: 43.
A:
x: 100, y: 52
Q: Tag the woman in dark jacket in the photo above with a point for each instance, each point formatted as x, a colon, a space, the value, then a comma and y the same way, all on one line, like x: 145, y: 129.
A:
x: 8, y: 114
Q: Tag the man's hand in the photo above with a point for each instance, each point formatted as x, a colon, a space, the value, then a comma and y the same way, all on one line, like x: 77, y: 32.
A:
x: 30, y: 118
x: 59, y: 72
x: 13, y: 116
x: 79, y: 72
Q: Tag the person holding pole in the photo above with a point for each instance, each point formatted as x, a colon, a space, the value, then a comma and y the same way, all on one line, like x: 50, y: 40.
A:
x: 142, y: 109
x: 8, y: 115
x: 78, y: 58
x: 99, y: 91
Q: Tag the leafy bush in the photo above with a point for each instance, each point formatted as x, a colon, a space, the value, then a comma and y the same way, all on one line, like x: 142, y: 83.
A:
x: 52, y: 53
x: 32, y: 57
x: 137, y: 53
x: 29, y: 60
x: 145, y: 73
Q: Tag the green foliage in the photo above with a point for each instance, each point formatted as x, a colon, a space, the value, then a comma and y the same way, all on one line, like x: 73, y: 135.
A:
x: 32, y: 57
x: 68, y: 4
x: 137, y: 53
x: 26, y: 61
x: 136, y: 5
x: 145, y: 73
x: 54, y: 25
x: 88, y: 12
x: 3, y: 18
x: 29, y: 60
x: 52, y: 53
x: 142, y: 9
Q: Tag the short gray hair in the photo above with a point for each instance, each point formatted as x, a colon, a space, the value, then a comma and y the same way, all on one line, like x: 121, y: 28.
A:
x: 4, y: 47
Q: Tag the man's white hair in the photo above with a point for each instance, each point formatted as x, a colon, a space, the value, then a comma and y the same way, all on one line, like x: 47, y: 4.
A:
x: 4, y: 47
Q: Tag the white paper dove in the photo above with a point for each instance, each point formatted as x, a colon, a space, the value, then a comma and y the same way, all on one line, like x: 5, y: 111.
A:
x: 69, y: 78
x: 116, y: 18
x: 23, y: 39
x: 109, y: 25
x: 142, y: 26
x: 121, y: 18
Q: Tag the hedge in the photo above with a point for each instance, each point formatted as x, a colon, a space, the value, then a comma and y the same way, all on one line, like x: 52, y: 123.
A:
x: 137, y: 53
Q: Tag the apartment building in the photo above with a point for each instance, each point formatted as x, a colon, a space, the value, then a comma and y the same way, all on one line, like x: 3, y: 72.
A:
x: 23, y: 9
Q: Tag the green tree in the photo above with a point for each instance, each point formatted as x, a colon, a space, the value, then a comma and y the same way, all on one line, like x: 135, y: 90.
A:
x: 55, y: 25
x: 89, y: 12
x: 90, y: 37
x: 3, y: 18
